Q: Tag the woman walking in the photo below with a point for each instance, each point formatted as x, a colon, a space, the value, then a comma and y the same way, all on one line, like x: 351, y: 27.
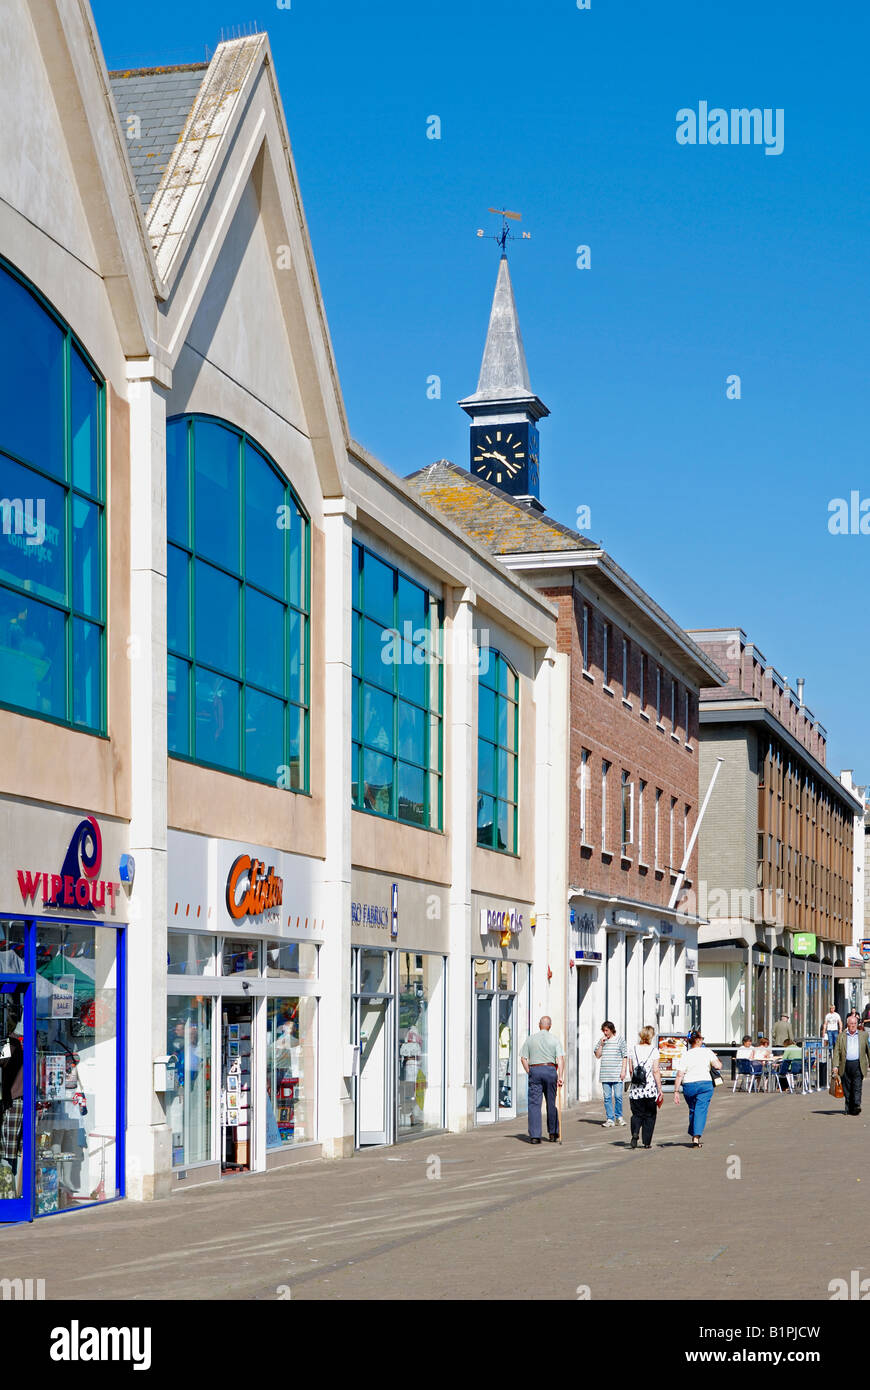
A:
x: 695, y: 1079
x: 645, y: 1088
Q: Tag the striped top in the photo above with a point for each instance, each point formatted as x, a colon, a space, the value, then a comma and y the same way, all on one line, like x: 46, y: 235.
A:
x: 612, y: 1054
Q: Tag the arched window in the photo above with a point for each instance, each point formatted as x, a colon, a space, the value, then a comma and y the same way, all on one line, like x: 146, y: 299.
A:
x: 52, y: 491
x: 237, y: 606
x: 497, y: 743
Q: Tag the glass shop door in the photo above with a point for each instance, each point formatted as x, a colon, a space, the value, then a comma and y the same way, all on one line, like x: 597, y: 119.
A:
x: 16, y: 1105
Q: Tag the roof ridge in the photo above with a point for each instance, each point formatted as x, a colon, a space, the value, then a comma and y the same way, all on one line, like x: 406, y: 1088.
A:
x: 156, y: 72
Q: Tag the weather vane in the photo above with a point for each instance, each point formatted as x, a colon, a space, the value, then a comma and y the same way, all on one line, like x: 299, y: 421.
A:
x: 504, y: 236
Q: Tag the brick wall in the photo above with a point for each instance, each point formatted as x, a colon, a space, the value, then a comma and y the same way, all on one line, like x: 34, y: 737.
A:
x: 610, y: 725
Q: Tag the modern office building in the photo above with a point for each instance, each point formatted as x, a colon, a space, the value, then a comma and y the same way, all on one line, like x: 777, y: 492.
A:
x: 777, y: 852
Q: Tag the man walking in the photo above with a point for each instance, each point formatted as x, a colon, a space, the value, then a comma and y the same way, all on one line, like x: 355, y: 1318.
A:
x: 850, y: 1061
x: 610, y: 1050
x: 781, y: 1030
x: 543, y: 1059
x: 832, y: 1025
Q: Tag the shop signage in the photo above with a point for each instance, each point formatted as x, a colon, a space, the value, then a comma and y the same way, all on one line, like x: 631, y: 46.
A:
x: 252, y: 889
x: 864, y: 948
x: 370, y: 915
x: 625, y: 919
x: 804, y: 943
x: 78, y: 886
x: 500, y: 920
x: 583, y: 932
x: 691, y: 961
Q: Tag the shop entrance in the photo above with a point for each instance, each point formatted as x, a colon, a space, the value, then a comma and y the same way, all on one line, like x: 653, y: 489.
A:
x: 494, y: 1041
x: 375, y: 1027
x: 237, y: 1096
x: 16, y: 1088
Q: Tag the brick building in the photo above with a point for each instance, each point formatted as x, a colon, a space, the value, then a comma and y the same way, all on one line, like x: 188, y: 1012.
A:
x: 632, y: 778
x: 776, y: 852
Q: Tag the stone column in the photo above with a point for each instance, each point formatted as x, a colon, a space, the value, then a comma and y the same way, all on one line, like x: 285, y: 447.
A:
x: 460, y: 817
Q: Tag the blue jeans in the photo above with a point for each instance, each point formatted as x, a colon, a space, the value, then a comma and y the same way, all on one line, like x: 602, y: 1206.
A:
x: 698, y: 1095
x: 612, y: 1099
x: 832, y: 1038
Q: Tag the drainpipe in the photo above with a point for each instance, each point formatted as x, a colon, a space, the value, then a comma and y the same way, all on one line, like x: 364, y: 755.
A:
x: 691, y: 845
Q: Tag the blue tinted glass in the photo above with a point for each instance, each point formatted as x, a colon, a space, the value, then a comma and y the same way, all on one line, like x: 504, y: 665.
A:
x: 87, y: 696
x: 412, y: 608
x: 486, y: 666
x: 357, y: 575
x: 217, y: 720
x: 411, y: 733
x: 411, y: 795
x: 265, y: 662
x: 87, y: 571
x: 354, y: 774
x: 378, y: 772
x: 264, y: 736
x: 32, y: 655
x: 31, y: 379
x: 84, y: 398
x: 412, y: 673
x: 266, y: 531
x: 297, y: 746
x: 178, y: 600
x: 178, y: 705
x: 298, y: 580
x: 485, y: 712
x: 216, y: 620
x: 485, y: 767
x: 32, y: 530
x: 485, y: 820
x: 177, y: 483
x: 378, y: 719
x: 297, y: 657
x: 355, y: 709
x: 505, y: 722
x: 381, y: 651
x: 504, y: 675
x: 216, y: 491
x: 378, y: 589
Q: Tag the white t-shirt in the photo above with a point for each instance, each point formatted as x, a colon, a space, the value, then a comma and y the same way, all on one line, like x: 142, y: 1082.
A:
x: 744, y: 1054
x: 832, y: 1021
x: 695, y: 1065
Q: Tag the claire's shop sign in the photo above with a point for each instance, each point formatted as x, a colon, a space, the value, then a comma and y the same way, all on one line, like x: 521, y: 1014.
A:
x: 500, y: 920
x: 252, y: 888
x: 78, y: 886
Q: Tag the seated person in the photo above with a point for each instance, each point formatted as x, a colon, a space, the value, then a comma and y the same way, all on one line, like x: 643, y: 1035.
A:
x: 745, y: 1051
x: 763, y: 1052
x: 791, y: 1051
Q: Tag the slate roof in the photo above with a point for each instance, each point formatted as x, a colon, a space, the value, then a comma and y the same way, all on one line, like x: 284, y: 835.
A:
x: 485, y: 512
x: 162, y: 99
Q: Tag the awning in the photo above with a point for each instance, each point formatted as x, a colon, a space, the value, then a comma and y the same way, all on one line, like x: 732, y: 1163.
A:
x: 848, y: 972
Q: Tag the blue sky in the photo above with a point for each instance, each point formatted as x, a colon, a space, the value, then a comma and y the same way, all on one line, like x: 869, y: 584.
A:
x: 705, y: 261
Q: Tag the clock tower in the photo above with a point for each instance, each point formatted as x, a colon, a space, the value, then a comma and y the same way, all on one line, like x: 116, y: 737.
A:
x: 504, y: 409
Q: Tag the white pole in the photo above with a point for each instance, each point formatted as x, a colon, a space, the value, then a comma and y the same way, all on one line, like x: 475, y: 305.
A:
x: 691, y: 845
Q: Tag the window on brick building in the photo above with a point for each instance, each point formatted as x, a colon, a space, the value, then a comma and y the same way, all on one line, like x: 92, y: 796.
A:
x: 605, y: 654
x: 627, y: 811
x: 656, y: 859
x: 641, y: 788
x: 658, y: 694
x: 686, y: 813
x: 642, y: 690
x: 686, y: 713
x: 625, y: 668
x: 586, y: 637
x: 605, y: 768
x: 584, y: 790
x: 671, y: 844
x: 673, y: 705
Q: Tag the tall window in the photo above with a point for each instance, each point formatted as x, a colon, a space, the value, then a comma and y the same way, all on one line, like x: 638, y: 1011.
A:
x: 605, y: 768
x: 686, y: 713
x: 671, y: 841
x: 396, y: 765
x: 656, y: 859
x: 586, y: 637
x: 625, y: 668
x: 641, y: 788
x: 627, y: 811
x: 497, y: 761
x: 642, y: 690
x: 237, y: 606
x: 658, y: 694
x: 605, y: 655
x: 584, y: 790
x: 673, y: 705
x: 52, y: 521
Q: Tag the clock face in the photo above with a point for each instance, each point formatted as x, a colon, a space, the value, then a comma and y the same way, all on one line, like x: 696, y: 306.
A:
x: 499, y: 454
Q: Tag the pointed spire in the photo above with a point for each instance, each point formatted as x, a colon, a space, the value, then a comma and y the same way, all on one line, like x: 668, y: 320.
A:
x: 503, y: 371
x: 504, y: 374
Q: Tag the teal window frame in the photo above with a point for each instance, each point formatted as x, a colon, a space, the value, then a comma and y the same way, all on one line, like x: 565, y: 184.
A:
x: 71, y: 343
x: 431, y: 709
x: 501, y: 678
x: 304, y: 611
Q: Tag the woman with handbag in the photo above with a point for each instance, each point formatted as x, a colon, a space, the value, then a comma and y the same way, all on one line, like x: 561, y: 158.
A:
x: 645, y: 1087
x: 698, y: 1071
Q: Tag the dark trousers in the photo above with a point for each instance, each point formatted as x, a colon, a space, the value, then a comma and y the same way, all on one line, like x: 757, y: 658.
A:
x: 644, y: 1113
x: 542, y: 1082
x: 853, y: 1083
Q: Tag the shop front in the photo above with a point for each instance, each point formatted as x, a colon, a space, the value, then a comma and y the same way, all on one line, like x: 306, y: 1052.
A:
x: 63, y: 912
x: 399, y: 1000
x: 500, y: 1007
x: 243, y: 985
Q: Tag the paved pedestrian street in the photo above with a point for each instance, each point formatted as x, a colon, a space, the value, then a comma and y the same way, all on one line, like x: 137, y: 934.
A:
x: 502, y: 1219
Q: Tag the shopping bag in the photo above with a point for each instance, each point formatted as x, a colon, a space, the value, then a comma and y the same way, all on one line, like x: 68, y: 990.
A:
x: 836, y: 1088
